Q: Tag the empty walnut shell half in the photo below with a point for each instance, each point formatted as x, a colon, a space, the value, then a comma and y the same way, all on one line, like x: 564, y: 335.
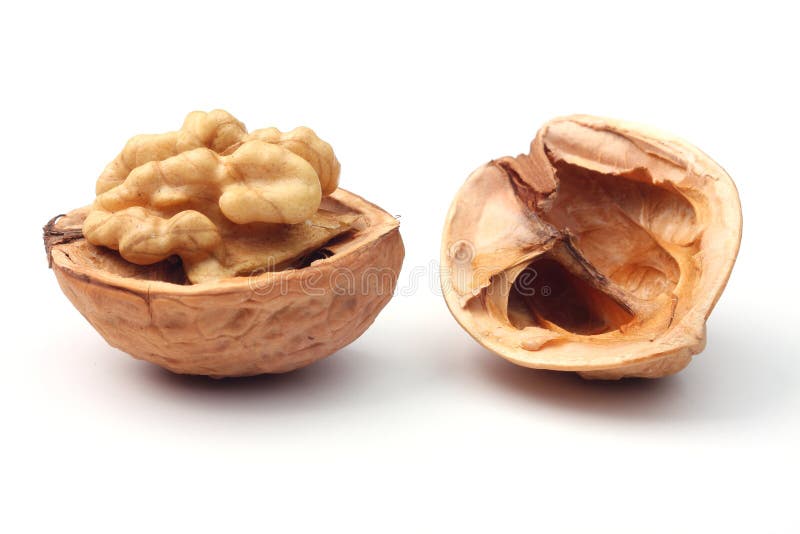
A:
x: 270, y: 323
x: 603, y: 251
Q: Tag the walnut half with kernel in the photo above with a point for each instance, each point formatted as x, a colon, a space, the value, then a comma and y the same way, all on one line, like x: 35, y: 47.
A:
x: 602, y: 251
x: 215, y: 251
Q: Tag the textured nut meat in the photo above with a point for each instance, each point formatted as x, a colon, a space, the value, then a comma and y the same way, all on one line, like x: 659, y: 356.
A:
x: 270, y: 323
x: 225, y: 201
x: 221, y: 132
x: 603, y: 251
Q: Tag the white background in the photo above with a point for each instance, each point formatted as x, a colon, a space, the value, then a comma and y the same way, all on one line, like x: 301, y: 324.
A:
x: 413, y: 427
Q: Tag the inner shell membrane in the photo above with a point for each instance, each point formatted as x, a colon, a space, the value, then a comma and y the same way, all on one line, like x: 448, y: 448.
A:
x: 624, y: 226
x: 547, y: 295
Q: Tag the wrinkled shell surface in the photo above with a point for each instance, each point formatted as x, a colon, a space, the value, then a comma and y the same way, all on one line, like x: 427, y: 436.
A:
x: 602, y: 251
x: 271, y: 323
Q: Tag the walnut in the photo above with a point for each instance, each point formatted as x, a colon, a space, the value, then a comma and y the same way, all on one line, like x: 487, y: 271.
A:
x: 202, y: 192
x: 217, y: 130
x: 210, y: 250
x: 602, y: 251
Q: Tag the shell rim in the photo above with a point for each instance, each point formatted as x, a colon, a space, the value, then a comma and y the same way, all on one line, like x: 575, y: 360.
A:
x: 380, y: 224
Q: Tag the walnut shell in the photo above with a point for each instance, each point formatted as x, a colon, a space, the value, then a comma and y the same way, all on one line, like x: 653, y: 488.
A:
x: 603, y: 251
x: 267, y: 323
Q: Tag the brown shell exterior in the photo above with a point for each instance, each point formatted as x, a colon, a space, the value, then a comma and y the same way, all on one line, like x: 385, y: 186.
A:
x: 270, y: 323
x: 613, y: 355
